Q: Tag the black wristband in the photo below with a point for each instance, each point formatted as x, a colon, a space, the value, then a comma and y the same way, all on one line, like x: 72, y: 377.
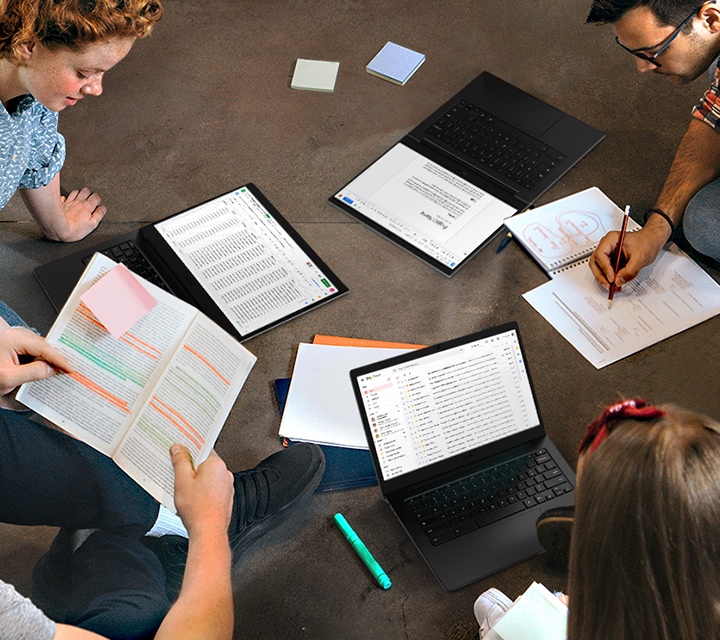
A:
x: 665, y: 217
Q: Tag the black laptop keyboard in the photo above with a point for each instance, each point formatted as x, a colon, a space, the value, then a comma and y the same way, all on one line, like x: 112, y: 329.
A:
x: 485, y: 139
x: 128, y: 254
x: 464, y: 505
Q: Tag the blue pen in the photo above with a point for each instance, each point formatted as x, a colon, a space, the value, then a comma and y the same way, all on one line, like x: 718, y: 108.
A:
x: 360, y: 548
x: 505, y: 242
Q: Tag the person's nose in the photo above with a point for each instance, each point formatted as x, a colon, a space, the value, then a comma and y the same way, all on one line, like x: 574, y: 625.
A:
x: 93, y: 87
x: 643, y: 66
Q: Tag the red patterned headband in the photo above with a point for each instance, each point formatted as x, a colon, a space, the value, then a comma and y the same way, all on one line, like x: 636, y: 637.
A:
x: 634, y: 409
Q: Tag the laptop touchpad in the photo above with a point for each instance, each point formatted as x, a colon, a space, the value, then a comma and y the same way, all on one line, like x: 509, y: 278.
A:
x: 513, y: 538
x: 529, y: 114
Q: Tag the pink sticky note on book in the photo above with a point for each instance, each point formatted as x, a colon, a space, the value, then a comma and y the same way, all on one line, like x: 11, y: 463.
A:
x: 118, y: 300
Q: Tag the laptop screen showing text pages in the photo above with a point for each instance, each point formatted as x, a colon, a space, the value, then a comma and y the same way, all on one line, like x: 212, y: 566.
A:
x: 435, y: 407
x: 249, y: 265
x: 425, y: 205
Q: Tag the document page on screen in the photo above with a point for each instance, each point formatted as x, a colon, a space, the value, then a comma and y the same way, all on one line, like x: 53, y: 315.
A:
x: 425, y: 205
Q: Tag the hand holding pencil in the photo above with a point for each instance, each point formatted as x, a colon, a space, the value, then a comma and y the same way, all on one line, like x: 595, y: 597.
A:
x: 638, y: 250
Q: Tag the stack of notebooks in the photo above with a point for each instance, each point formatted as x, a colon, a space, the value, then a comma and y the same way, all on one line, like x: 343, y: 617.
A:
x: 318, y: 405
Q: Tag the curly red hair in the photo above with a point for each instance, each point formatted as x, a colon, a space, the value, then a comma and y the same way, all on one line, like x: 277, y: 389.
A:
x: 72, y: 24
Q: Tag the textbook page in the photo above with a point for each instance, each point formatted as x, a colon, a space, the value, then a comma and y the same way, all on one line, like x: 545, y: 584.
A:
x: 671, y: 295
x: 189, y: 405
x: 567, y: 230
x: 112, y: 376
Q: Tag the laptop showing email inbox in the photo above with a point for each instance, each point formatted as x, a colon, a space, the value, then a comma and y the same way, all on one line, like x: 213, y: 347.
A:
x: 233, y: 257
x: 445, y: 188
x: 461, y: 453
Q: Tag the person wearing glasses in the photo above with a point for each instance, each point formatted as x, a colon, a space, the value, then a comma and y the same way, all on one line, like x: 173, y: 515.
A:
x: 645, y: 566
x: 680, y: 40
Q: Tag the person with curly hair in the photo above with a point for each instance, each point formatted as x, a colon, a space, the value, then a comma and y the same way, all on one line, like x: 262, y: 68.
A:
x: 52, y: 54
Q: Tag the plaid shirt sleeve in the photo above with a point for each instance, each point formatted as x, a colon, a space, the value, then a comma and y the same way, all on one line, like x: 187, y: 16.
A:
x: 708, y: 109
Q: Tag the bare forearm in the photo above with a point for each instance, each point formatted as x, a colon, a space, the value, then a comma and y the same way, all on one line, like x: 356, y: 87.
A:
x: 64, y: 219
x: 205, y: 607
x: 45, y: 205
x: 696, y: 164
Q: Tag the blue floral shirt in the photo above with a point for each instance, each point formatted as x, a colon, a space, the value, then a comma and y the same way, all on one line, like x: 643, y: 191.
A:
x: 31, y: 149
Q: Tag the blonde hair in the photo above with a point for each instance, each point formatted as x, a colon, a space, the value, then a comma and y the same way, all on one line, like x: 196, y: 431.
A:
x: 645, y: 551
x: 72, y: 24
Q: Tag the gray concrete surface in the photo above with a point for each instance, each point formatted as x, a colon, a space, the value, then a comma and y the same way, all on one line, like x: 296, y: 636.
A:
x: 204, y: 105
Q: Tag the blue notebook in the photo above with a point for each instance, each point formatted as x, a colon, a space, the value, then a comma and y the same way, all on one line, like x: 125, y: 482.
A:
x: 395, y: 63
x: 344, y: 468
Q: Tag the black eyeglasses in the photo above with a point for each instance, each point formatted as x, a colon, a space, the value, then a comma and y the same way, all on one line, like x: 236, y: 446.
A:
x: 653, y: 58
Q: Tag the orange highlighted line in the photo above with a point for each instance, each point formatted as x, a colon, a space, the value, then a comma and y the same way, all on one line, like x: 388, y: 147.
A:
x: 150, y: 355
x: 98, y: 390
x: 150, y: 352
x: 149, y: 347
x: 193, y: 435
x: 213, y: 369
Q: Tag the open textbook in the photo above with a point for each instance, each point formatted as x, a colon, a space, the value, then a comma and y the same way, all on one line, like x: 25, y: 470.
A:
x: 563, y: 233
x: 172, y: 377
x: 667, y: 297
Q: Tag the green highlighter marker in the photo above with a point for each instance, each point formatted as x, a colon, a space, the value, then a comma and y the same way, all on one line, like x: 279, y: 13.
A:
x: 362, y: 551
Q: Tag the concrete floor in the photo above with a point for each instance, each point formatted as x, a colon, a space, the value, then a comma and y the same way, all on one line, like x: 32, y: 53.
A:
x: 204, y: 105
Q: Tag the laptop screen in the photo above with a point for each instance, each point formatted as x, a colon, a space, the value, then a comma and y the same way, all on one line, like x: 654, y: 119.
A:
x: 433, y: 407
x: 422, y: 204
x: 246, y: 261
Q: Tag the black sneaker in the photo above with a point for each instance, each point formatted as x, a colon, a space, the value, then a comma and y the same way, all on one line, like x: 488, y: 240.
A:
x: 264, y: 498
x: 265, y: 495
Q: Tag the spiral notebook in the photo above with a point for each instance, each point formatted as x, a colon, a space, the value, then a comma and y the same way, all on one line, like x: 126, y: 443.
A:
x: 564, y: 233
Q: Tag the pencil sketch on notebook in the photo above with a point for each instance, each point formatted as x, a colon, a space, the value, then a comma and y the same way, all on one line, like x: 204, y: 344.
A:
x: 568, y: 231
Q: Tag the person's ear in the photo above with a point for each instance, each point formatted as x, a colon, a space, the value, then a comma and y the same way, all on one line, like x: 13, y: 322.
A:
x: 26, y: 50
x: 710, y: 16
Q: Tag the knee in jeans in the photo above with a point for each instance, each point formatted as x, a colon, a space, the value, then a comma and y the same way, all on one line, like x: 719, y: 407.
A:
x: 701, y: 228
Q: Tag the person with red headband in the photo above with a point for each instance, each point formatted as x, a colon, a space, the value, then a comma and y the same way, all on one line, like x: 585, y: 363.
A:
x: 644, y: 551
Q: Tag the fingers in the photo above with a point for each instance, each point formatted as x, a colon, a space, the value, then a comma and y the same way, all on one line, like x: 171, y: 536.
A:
x: 84, y: 212
x: 181, y: 461
x: 203, y: 496
x: 25, y: 342
x: 14, y: 376
x: 601, y: 260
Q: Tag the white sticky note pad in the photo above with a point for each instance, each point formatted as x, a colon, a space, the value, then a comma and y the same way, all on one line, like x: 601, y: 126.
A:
x: 314, y: 75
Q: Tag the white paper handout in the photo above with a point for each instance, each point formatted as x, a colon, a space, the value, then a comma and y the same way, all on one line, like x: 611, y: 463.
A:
x: 671, y: 295
x: 321, y: 405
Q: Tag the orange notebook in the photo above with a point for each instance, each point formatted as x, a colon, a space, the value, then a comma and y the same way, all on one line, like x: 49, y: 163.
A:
x: 361, y: 342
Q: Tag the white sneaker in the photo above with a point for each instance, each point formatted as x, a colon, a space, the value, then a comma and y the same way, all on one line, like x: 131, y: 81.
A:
x: 490, y: 606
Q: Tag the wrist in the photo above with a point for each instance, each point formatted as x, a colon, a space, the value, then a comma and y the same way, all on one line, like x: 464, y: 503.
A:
x: 660, y: 224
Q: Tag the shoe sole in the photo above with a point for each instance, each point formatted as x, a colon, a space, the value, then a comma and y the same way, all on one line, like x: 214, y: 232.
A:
x: 554, y: 531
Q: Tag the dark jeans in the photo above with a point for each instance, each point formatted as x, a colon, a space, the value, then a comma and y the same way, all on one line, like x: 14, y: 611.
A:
x: 113, y: 584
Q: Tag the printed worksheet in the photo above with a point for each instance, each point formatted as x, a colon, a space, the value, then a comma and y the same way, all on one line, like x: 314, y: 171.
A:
x: 671, y: 295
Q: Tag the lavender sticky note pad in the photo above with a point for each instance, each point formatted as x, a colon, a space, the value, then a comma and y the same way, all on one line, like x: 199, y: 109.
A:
x: 118, y: 300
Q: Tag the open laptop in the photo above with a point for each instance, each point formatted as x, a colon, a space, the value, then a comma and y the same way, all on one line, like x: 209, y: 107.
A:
x: 447, y: 186
x: 461, y: 453
x: 233, y: 257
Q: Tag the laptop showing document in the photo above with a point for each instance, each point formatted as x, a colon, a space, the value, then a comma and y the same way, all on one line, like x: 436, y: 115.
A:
x: 446, y: 187
x: 461, y: 453
x: 233, y: 257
